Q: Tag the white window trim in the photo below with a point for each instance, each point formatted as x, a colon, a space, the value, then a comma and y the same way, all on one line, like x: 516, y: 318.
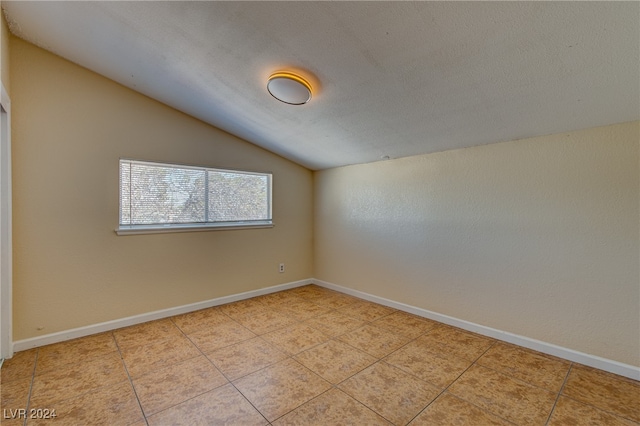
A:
x: 198, y: 227
x: 165, y: 229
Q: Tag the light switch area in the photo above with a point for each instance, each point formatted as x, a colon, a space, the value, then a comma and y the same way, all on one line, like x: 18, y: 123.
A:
x: 281, y: 268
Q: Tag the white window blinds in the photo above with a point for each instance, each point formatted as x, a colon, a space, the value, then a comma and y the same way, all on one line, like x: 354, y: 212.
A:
x: 168, y: 194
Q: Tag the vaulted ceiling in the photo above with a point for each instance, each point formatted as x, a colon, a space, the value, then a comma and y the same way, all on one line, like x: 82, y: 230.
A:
x: 391, y: 79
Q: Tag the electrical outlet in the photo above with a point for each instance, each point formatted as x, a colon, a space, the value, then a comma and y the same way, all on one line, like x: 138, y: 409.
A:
x: 281, y: 269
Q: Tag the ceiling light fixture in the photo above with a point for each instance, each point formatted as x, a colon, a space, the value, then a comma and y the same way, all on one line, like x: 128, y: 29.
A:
x: 289, y: 88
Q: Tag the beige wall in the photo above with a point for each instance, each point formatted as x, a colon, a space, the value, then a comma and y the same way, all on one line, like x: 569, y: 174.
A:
x: 4, y: 53
x: 70, y: 127
x: 537, y: 237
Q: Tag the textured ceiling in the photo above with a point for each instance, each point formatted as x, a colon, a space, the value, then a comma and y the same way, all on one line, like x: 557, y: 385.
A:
x: 393, y: 78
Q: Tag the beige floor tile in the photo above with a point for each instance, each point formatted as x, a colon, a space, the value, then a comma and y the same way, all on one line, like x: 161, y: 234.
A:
x: 374, y: 340
x: 503, y: 396
x: 405, y: 324
x: 416, y: 359
x: 334, y: 323
x: 281, y: 387
x: 569, y: 412
x: 21, y: 366
x: 221, y: 406
x: 261, y: 322
x: 108, y: 405
x: 14, y: 395
x: 333, y: 300
x: 224, y: 334
x: 278, y: 299
x: 449, y: 410
x: 335, y: 361
x: 296, y: 338
x: 390, y: 392
x: 618, y: 395
x: 86, y: 379
x: 204, y: 318
x: 243, y: 307
x: 146, y: 333
x: 447, y: 341
x: 302, y: 309
x: 170, y: 386
x: 311, y: 291
x: 76, y: 379
x: 244, y: 358
x: 55, y: 356
x: 366, y: 311
x: 144, y: 359
x: 333, y: 407
x: 532, y: 367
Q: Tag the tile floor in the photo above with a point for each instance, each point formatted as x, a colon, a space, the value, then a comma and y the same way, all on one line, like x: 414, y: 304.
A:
x: 307, y: 356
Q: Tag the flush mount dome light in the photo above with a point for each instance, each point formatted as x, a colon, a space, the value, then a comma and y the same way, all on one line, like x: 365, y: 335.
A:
x: 289, y: 88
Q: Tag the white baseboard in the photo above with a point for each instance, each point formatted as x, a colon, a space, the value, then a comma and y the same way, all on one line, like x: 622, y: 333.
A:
x: 611, y: 366
x: 604, y: 364
x: 62, y: 336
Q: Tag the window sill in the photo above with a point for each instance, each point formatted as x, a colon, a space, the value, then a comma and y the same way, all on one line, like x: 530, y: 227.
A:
x: 165, y: 229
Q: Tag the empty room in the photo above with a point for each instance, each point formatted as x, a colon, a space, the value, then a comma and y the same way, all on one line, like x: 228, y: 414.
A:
x: 320, y: 213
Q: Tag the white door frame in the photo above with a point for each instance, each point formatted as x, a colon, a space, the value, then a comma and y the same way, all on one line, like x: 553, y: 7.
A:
x: 6, y: 254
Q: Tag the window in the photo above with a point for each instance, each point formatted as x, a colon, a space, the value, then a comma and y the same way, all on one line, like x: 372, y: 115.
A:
x: 157, y: 197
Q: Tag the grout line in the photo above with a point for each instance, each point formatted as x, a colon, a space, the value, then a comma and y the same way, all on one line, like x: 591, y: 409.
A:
x: 33, y: 378
x: 566, y: 378
x: 229, y: 381
x: 306, y: 402
x: 247, y: 399
x: 124, y: 364
x: 288, y: 356
x: 365, y: 405
x: 263, y: 368
x: 589, y: 404
x: 63, y: 366
x: 377, y: 359
x: 331, y: 338
x: 442, y: 392
x: 382, y: 359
